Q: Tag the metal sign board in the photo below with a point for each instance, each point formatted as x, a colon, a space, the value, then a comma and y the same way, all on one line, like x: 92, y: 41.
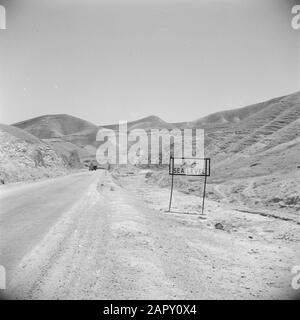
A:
x: 189, y: 166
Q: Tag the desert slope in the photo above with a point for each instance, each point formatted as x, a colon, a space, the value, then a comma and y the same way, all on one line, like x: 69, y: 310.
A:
x: 147, y: 123
x: 255, y: 156
x: 25, y: 157
x: 275, y: 122
x: 57, y: 125
x: 65, y: 133
x: 259, y: 141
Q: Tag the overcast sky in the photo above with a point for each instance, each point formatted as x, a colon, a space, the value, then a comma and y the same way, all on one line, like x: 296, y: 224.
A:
x: 107, y: 60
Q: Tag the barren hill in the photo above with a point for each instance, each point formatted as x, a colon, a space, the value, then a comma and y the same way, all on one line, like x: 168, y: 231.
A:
x: 57, y: 125
x: 271, y: 123
x: 19, y: 133
x: 64, y: 133
x: 255, y: 154
x: 147, y: 123
x: 250, y: 129
x: 255, y: 140
x: 25, y: 157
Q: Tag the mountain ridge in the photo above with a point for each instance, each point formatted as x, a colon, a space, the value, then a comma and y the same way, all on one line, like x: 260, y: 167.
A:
x: 248, y: 130
x: 231, y: 116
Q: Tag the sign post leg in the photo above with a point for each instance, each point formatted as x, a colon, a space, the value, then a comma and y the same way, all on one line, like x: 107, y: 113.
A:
x: 171, y: 194
x: 204, y: 189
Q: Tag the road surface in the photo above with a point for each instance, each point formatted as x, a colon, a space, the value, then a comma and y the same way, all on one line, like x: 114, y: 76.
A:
x: 28, y: 211
x: 85, y: 236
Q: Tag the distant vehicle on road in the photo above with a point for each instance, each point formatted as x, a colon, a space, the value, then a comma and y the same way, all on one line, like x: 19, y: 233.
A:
x: 93, y: 167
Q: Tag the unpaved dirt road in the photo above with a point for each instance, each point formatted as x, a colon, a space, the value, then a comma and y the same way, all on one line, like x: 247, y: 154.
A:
x: 93, y: 236
x: 29, y: 210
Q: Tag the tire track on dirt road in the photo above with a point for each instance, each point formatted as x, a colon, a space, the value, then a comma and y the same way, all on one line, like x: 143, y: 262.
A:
x: 111, y: 245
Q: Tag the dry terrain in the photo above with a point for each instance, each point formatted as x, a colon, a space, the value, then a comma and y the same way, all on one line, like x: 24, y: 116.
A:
x: 108, y: 235
x: 24, y: 157
x: 95, y: 235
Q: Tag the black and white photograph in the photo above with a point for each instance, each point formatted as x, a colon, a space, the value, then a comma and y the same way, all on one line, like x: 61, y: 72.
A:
x: 149, y: 151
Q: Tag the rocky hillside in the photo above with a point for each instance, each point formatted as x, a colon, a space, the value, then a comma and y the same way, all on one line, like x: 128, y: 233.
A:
x: 25, y: 157
x: 147, y: 123
x: 64, y: 133
x: 57, y: 125
x: 255, y: 155
x: 254, y: 150
x: 264, y: 141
